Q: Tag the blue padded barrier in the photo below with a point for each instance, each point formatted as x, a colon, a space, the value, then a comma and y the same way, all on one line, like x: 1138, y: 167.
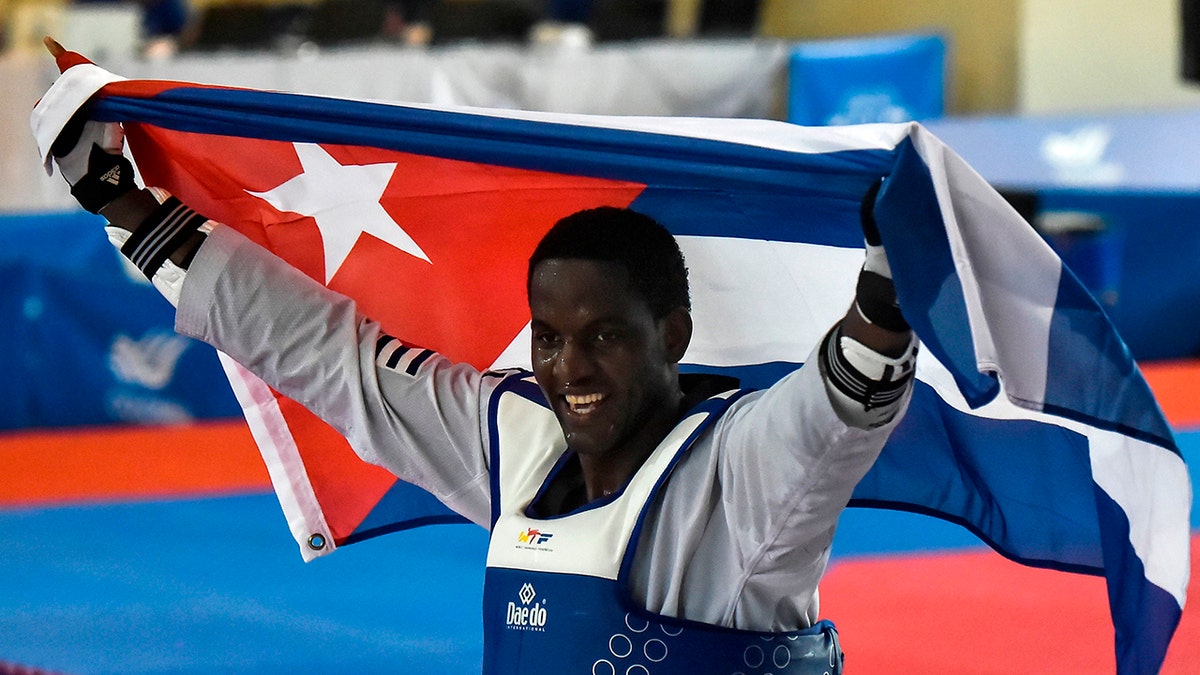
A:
x: 85, y: 341
x: 892, y: 78
x: 1135, y: 173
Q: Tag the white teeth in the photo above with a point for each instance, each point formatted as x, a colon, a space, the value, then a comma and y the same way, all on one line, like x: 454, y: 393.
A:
x: 580, y: 402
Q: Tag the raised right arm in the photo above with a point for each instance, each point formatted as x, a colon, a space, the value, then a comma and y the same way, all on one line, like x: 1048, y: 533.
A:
x: 407, y: 409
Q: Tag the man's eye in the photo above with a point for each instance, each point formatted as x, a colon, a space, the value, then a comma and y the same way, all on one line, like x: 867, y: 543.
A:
x: 545, y: 340
x: 607, y: 336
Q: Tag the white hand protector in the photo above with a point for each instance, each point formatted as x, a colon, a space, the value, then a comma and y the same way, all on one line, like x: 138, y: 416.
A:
x: 74, y: 146
x: 69, y: 93
x: 87, y: 153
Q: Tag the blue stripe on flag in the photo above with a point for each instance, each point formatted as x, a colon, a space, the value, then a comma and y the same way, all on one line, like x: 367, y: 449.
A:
x: 757, y: 214
x: 1144, y: 615
x: 1022, y: 486
x: 404, y: 506
x: 1095, y: 379
x: 683, y: 162
x: 756, y: 376
x: 913, y: 232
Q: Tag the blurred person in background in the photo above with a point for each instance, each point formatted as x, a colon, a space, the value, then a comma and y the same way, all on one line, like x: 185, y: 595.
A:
x: 163, y: 23
x: 409, y: 22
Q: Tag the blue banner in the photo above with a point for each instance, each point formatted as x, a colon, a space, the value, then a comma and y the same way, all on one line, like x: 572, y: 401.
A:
x: 84, y: 341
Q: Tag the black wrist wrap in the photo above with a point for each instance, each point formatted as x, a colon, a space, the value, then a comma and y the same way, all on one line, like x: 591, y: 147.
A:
x: 161, y: 234
x: 853, y: 383
x: 109, y: 176
x: 876, y: 299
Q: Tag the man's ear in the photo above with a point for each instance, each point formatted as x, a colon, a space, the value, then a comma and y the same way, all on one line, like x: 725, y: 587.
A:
x: 677, y: 333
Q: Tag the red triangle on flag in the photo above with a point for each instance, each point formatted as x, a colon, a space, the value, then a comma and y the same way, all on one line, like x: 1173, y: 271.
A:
x: 476, y: 224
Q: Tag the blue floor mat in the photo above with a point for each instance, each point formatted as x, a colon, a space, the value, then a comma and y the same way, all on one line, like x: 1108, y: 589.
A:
x: 217, y: 585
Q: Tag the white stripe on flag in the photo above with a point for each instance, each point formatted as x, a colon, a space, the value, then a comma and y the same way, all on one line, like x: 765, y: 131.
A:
x: 282, y: 457
x: 1011, y: 280
x: 758, y: 301
x: 756, y: 132
x: 1140, y: 477
x: 745, y: 302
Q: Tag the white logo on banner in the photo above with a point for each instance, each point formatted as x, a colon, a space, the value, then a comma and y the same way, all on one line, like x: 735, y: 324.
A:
x: 148, y: 362
x: 1077, y: 156
x: 870, y: 107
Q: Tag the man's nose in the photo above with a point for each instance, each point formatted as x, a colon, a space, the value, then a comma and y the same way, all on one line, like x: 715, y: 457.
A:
x: 574, y: 362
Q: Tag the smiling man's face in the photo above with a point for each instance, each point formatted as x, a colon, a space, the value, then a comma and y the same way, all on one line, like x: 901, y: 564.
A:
x: 605, y: 363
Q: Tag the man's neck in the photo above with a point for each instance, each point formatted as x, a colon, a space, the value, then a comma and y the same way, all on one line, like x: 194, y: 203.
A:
x: 580, y: 482
x: 608, y: 473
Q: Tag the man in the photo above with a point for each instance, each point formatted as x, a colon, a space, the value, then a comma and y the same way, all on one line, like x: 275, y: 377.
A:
x: 642, y: 521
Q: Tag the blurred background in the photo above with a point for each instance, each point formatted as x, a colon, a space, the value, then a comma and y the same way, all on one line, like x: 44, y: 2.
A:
x: 141, y: 534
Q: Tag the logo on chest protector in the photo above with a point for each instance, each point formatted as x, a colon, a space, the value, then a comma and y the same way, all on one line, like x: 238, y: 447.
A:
x: 534, y: 540
x: 535, y: 537
x: 530, y: 614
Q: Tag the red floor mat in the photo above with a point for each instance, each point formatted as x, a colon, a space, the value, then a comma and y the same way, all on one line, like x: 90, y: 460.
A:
x: 978, y: 613
x: 113, y: 464
x: 1174, y: 385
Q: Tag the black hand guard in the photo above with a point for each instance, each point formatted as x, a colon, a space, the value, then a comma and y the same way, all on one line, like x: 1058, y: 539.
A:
x: 109, y: 176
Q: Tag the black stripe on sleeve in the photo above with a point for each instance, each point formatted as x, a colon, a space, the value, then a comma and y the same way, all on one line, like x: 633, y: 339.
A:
x: 417, y: 361
x: 853, y: 383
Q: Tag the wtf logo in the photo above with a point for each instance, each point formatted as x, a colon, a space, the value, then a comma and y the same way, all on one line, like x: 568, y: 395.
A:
x: 534, y: 537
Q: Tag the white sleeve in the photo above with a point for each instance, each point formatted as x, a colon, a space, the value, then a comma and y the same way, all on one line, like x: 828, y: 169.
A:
x: 789, y: 463
x: 420, y: 416
x: 741, y: 534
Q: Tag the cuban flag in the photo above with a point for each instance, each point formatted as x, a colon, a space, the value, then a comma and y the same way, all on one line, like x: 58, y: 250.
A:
x: 1031, y: 425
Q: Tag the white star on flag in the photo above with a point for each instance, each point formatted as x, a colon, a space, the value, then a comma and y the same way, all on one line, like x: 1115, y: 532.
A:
x: 344, y: 200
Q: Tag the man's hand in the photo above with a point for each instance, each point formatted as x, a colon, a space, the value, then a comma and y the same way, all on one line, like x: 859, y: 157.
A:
x: 869, y: 358
x: 89, y: 155
x: 155, y: 231
x: 875, y: 297
x: 93, y: 164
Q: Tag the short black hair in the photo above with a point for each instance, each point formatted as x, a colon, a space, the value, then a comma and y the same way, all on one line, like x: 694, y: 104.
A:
x: 637, y: 242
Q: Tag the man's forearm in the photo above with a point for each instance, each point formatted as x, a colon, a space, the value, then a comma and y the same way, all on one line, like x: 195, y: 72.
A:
x: 887, y: 342
x: 134, y: 208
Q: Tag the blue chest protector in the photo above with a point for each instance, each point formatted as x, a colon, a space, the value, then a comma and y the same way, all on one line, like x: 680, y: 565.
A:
x: 556, y: 595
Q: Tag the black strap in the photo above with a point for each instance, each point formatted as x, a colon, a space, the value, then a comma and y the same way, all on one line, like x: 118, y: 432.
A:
x: 161, y: 234
x: 866, y: 215
x: 871, y: 393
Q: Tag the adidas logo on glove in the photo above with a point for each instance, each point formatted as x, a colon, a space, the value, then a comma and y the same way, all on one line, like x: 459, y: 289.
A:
x: 112, y: 176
